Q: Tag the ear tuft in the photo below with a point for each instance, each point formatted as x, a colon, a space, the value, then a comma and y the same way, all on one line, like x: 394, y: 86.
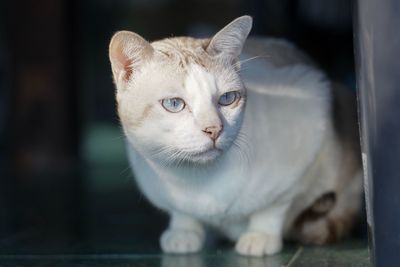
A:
x: 229, y: 41
x: 127, y: 52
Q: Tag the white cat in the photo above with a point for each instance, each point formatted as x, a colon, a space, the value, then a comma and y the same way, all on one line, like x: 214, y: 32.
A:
x: 250, y: 152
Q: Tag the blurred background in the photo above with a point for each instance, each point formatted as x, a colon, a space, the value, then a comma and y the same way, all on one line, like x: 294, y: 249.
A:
x: 65, y: 183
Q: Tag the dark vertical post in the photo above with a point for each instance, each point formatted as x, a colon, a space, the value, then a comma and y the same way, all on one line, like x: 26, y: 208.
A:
x: 377, y: 45
x: 44, y: 115
x: 5, y: 73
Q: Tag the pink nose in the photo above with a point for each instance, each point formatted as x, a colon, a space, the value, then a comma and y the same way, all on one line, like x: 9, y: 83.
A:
x: 213, y: 131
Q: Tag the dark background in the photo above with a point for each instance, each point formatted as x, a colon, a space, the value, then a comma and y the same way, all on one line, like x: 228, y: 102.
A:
x: 65, y: 183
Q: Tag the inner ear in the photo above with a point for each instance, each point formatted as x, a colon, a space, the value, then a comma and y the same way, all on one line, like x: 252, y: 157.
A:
x: 122, y: 64
x: 127, y: 53
x: 128, y: 69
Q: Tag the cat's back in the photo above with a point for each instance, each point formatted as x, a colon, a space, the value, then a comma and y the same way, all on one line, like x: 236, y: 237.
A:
x: 274, y: 70
x: 269, y: 64
x: 288, y: 100
x: 276, y: 51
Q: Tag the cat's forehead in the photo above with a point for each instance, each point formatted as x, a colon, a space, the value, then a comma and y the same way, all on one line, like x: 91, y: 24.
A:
x: 184, y: 51
x: 199, y: 81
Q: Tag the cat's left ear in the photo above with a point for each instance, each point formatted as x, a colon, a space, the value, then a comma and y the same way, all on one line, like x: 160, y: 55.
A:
x: 128, y: 51
x: 229, y: 41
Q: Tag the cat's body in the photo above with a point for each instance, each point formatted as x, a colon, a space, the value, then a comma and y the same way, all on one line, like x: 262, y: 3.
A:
x: 280, y: 149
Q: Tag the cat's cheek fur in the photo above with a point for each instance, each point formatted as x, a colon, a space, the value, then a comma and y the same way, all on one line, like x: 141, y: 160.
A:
x: 232, y: 120
x: 171, y: 137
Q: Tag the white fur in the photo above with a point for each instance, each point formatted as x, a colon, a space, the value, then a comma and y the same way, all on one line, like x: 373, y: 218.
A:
x: 247, y: 186
x: 281, y: 137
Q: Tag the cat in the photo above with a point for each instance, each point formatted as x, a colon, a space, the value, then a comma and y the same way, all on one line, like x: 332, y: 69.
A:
x: 260, y: 149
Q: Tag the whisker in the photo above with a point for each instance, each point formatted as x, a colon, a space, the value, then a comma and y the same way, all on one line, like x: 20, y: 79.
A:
x: 249, y: 59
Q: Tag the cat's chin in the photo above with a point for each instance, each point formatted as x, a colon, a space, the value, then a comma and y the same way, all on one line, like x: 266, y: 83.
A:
x: 205, y: 157
x: 190, y: 158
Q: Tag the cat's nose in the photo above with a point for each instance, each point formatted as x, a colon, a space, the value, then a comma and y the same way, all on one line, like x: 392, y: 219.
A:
x: 213, y: 131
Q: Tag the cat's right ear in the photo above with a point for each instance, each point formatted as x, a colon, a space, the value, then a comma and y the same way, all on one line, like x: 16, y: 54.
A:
x: 127, y: 52
x: 229, y: 41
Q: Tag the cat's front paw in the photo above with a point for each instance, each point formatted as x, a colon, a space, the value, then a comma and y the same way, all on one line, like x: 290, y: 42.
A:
x: 258, y: 244
x: 181, y: 241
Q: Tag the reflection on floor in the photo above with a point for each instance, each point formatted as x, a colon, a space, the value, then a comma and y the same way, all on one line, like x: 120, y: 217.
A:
x: 350, y: 253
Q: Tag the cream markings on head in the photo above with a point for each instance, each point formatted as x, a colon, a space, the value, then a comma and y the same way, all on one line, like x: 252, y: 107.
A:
x: 185, y: 51
x: 138, y: 122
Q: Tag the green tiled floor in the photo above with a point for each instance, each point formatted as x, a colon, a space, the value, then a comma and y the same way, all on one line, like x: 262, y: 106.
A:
x: 350, y: 253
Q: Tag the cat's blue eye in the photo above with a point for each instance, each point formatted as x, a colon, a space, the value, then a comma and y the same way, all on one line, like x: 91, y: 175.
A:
x: 173, y: 104
x: 228, y: 98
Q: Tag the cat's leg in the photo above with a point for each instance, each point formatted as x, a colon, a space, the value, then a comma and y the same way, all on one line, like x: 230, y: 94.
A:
x: 264, y: 233
x: 184, y: 235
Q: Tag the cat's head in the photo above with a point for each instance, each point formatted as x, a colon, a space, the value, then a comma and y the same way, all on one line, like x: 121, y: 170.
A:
x: 180, y: 99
